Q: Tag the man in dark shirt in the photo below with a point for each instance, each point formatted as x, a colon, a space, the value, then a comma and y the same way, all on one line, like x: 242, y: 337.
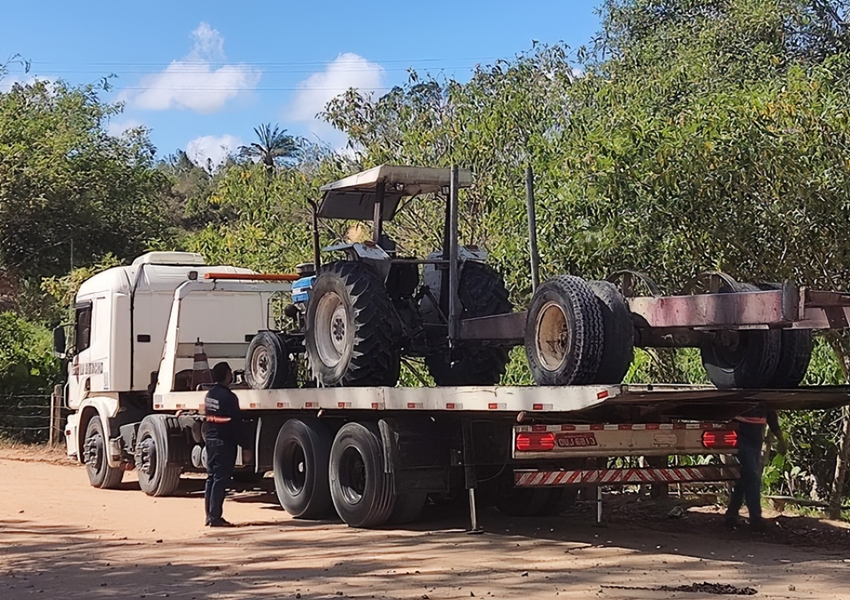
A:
x: 222, y: 433
x: 751, y: 430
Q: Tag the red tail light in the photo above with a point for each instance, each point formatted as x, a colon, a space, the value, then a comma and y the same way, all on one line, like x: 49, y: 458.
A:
x: 720, y: 439
x: 535, y: 442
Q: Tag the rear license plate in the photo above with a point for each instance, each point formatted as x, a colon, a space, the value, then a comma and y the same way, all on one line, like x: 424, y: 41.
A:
x: 576, y: 440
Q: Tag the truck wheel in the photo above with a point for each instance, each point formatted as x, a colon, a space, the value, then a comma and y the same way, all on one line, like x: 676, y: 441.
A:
x: 619, y: 333
x: 157, y: 477
x: 407, y: 508
x: 564, y: 333
x: 529, y: 502
x: 482, y: 294
x: 748, y: 360
x: 352, y: 328
x: 101, y: 475
x: 360, y: 489
x: 267, y: 365
x: 795, y: 353
x: 301, y: 455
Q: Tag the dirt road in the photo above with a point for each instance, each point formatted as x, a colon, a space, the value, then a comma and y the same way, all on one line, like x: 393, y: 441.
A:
x: 60, y: 538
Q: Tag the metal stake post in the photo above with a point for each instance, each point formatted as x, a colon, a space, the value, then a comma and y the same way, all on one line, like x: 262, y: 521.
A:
x: 599, y: 505
x: 56, y: 416
x: 453, y: 257
x: 316, y: 253
x: 532, y: 229
x: 469, y: 475
x: 378, y: 215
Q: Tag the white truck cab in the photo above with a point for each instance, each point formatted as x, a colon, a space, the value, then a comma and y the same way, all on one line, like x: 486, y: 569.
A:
x: 119, y: 333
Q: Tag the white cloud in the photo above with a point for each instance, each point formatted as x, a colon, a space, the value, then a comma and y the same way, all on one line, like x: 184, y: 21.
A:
x: 195, y: 82
x: 117, y: 128
x: 348, y: 70
x: 209, y: 149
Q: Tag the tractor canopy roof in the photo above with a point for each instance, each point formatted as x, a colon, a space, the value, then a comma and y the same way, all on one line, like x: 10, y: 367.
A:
x: 354, y: 196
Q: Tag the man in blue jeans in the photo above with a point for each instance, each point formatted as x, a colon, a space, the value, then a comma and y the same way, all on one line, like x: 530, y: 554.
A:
x: 751, y: 429
x: 223, y: 431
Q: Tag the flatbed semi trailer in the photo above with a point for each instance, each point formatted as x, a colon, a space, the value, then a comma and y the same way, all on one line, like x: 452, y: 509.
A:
x: 372, y: 454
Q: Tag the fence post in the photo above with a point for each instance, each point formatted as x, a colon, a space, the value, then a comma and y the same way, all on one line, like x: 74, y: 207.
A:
x: 56, y: 430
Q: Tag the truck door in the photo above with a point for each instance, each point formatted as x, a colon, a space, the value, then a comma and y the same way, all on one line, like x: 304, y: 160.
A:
x: 91, y: 340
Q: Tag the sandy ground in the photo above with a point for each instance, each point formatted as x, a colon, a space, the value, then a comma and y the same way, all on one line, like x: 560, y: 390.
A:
x: 61, y: 538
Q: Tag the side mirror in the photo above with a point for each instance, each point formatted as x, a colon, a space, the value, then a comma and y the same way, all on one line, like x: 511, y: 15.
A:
x: 59, y: 341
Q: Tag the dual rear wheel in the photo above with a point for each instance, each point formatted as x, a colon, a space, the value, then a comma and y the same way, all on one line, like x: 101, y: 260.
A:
x: 578, y: 333
x: 315, y: 470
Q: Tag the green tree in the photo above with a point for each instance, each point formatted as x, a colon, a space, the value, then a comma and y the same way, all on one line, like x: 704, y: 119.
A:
x: 64, y: 181
x: 28, y: 372
x: 274, y: 145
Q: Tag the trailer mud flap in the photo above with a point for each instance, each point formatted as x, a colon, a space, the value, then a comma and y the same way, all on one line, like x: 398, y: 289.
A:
x: 415, y: 455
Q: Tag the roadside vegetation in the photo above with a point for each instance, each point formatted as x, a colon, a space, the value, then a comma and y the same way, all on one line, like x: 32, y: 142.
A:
x: 689, y: 136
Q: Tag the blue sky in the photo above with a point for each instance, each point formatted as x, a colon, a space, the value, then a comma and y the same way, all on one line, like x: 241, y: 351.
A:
x: 201, y: 75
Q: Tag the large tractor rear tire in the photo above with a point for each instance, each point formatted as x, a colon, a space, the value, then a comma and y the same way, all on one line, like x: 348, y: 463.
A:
x: 482, y: 293
x: 564, y: 333
x: 749, y: 360
x: 352, y: 328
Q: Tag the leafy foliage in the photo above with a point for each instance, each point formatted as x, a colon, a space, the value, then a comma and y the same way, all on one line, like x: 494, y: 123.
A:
x: 64, y: 180
x: 26, y: 357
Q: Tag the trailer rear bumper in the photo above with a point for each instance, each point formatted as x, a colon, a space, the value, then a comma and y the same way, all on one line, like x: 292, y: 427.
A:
x: 527, y: 478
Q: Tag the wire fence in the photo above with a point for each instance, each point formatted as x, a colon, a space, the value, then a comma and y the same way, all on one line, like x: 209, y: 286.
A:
x: 27, y: 417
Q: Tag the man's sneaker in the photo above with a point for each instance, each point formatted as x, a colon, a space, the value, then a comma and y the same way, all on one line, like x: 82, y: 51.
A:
x: 732, y: 521
x: 759, y: 525
x: 221, y: 523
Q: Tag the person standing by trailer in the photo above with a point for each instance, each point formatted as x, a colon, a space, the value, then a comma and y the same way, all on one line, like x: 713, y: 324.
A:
x: 751, y: 430
x: 223, y: 431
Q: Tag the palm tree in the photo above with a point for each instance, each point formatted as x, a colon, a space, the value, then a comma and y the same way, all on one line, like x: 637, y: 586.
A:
x: 274, y: 144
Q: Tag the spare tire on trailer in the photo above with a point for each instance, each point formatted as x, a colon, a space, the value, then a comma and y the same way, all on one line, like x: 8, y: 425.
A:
x: 748, y: 360
x: 619, y: 333
x: 352, y: 329
x: 267, y: 364
x: 795, y: 353
x: 482, y: 293
x: 564, y: 333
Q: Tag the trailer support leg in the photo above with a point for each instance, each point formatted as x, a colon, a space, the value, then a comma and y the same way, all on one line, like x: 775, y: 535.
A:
x: 469, y: 476
x: 599, y: 505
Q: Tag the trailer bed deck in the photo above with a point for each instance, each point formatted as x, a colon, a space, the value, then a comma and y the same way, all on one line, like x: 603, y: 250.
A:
x: 529, y: 402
